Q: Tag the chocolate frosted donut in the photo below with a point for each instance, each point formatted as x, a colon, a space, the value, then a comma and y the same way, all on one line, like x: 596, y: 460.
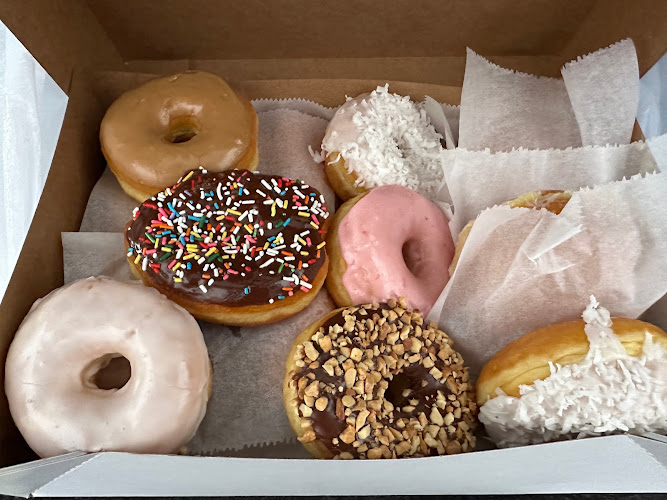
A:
x: 373, y: 381
x: 234, y: 247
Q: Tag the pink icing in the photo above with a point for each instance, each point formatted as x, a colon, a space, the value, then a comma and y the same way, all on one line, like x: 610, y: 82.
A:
x: 396, y: 243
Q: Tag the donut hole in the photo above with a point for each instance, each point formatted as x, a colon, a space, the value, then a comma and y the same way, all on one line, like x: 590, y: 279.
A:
x: 109, y: 372
x: 397, y: 387
x: 412, y: 256
x: 181, y: 129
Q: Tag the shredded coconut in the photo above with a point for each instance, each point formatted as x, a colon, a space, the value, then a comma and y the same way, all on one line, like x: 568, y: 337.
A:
x: 607, y: 392
x: 387, y: 139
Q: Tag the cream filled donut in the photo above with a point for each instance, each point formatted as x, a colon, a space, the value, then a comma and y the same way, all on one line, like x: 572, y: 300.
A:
x: 390, y: 242
x: 380, y: 139
x: 51, y: 374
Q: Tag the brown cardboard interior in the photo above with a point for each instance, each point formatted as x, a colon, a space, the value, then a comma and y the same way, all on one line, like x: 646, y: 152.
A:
x: 277, y: 49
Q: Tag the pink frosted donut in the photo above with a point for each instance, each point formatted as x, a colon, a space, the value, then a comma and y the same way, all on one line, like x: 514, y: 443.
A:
x: 55, y: 362
x: 389, y: 243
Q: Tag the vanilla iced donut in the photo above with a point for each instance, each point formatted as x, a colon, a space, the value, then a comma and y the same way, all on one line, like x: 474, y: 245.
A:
x: 379, y: 139
x: 389, y: 243
x: 73, y: 333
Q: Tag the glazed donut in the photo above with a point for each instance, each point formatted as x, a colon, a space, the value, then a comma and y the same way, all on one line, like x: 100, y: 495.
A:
x: 379, y: 139
x: 235, y: 247
x: 388, y: 243
x: 554, y: 201
x: 599, y: 375
x: 73, y: 333
x: 154, y: 134
x: 374, y: 381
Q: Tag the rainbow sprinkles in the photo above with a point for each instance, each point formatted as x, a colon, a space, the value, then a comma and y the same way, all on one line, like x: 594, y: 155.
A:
x: 234, y: 237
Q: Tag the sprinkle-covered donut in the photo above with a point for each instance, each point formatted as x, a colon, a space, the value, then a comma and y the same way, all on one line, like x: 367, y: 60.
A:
x: 374, y: 381
x: 388, y: 243
x: 379, y: 139
x: 236, y: 247
x: 154, y: 134
x: 69, y: 337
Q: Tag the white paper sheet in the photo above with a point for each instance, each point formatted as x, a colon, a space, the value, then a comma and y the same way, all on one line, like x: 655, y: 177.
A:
x: 32, y: 109
x: 480, y: 179
x: 594, y: 104
x: 521, y: 269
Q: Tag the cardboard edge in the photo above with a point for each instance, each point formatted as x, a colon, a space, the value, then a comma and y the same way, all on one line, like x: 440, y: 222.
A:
x: 509, y: 471
x: 25, y: 479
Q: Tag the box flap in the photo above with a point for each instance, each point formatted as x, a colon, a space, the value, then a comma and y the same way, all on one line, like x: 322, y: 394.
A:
x: 60, y: 34
x: 22, y: 480
x: 256, y: 29
x: 586, y: 466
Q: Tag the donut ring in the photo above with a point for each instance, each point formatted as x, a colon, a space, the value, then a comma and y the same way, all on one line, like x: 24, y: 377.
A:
x: 374, y: 382
x: 75, y: 331
x: 154, y: 134
x: 388, y: 243
x: 554, y: 201
x: 236, y: 247
x: 378, y: 139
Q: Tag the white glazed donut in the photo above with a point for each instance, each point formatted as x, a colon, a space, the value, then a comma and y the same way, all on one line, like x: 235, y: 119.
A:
x: 73, y: 332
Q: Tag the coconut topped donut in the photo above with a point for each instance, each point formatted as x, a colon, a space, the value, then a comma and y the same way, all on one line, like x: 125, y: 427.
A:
x: 374, y: 381
x: 382, y: 138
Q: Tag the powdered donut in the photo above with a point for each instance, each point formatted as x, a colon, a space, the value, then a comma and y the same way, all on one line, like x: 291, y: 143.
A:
x: 374, y: 381
x: 598, y: 376
x: 73, y: 333
x: 379, y: 139
x: 388, y: 243
x: 153, y: 134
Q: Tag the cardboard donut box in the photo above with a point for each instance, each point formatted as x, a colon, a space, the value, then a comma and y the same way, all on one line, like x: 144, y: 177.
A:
x: 96, y: 49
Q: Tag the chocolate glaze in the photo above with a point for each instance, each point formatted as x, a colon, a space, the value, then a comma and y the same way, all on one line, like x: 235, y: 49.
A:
x: 263, y: 235
x: 424, y: 387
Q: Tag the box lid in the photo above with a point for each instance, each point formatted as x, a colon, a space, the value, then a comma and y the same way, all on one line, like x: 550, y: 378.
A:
x: 598, y: 465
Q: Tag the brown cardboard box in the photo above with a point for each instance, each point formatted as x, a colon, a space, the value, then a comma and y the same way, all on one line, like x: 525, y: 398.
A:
x: 95, y: 49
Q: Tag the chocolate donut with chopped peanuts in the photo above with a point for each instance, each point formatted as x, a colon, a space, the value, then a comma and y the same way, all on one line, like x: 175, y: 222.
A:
x: 381, y: 138
x: 374, y: 381
x: 235, y: 247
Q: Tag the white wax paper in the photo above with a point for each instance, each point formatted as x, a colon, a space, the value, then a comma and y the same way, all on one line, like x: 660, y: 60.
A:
x: 594, y: 104
x: 480, y: 179
x: 522, y: 269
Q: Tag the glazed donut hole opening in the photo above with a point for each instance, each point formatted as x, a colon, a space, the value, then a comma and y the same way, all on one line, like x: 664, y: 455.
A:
x: 109, y: 372
x: 412, y: 256
x: 181, y: 129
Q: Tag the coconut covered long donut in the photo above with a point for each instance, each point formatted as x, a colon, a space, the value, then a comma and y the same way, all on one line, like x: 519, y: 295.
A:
x: 599, y: 375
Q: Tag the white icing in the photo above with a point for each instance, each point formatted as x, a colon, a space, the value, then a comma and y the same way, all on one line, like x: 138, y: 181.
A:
x: 607, y: 392
x: 387, y: 139
x: 70, y: 334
